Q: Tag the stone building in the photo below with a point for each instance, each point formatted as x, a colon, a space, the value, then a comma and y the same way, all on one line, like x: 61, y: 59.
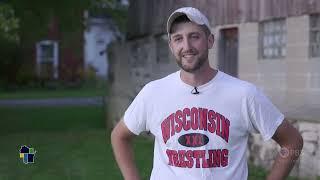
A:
x: 274, y: 44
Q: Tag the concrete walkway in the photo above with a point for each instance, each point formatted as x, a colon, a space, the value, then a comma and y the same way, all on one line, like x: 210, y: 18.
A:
x: 83, y: 101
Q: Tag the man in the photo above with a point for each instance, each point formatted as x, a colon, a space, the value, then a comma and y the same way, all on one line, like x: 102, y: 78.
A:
x: 200, y: 116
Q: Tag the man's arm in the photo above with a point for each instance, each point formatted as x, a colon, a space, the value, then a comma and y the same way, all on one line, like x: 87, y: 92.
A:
x: 291, y: 144
x: 121, y: 138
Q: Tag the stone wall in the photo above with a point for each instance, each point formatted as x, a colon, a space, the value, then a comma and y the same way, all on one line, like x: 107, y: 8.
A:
x: 263, y: 153
x: 293, y: 82
x: 132, y: 65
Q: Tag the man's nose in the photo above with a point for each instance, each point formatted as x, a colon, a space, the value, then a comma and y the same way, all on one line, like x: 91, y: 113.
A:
x: 186, y: 44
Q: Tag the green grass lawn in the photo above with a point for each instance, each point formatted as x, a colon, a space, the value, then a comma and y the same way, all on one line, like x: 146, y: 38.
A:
x: 51, y: 119
x: 66, y: 155
x: 71, y: 143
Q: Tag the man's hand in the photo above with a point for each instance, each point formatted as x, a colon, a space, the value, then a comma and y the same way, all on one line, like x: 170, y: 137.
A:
x: 121, y: 138
x: 291, y: 144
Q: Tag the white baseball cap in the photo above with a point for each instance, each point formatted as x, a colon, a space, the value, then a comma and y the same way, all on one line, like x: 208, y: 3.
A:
x: 193, y: 14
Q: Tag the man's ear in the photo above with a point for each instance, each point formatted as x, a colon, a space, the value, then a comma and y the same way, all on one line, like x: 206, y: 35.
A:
x: 210, y: 41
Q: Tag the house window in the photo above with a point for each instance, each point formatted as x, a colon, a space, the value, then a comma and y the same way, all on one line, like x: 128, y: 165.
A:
x: 272, y: 39
x: 47, y: 58
x: 314, y: 48
x: 47, y: 54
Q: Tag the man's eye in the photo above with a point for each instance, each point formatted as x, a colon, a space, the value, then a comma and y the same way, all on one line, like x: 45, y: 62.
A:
x: 195, y: 36
x: 177, y: 39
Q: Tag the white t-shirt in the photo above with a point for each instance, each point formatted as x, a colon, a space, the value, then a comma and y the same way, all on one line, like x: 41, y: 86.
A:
x: 201, y: 136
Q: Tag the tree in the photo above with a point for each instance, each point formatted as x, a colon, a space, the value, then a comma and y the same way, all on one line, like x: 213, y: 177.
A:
x: 9, y: 24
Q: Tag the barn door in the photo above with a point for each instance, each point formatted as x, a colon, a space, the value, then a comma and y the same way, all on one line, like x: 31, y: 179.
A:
x: 228, y: 51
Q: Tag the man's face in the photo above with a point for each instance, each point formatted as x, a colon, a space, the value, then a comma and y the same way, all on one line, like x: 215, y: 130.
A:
x: 190, y: 46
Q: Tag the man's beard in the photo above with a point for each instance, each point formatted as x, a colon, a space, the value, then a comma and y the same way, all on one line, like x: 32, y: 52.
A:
x: 199, y: 62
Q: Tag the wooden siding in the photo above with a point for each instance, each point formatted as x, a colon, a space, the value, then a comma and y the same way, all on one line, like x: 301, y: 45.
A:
x: 148, y: 17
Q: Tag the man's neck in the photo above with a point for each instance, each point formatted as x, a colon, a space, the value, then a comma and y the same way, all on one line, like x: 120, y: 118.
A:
x: 198, y: 78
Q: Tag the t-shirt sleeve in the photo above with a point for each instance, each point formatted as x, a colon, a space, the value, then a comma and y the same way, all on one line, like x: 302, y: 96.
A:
x: 135, y: 116
x: 263, y: 115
